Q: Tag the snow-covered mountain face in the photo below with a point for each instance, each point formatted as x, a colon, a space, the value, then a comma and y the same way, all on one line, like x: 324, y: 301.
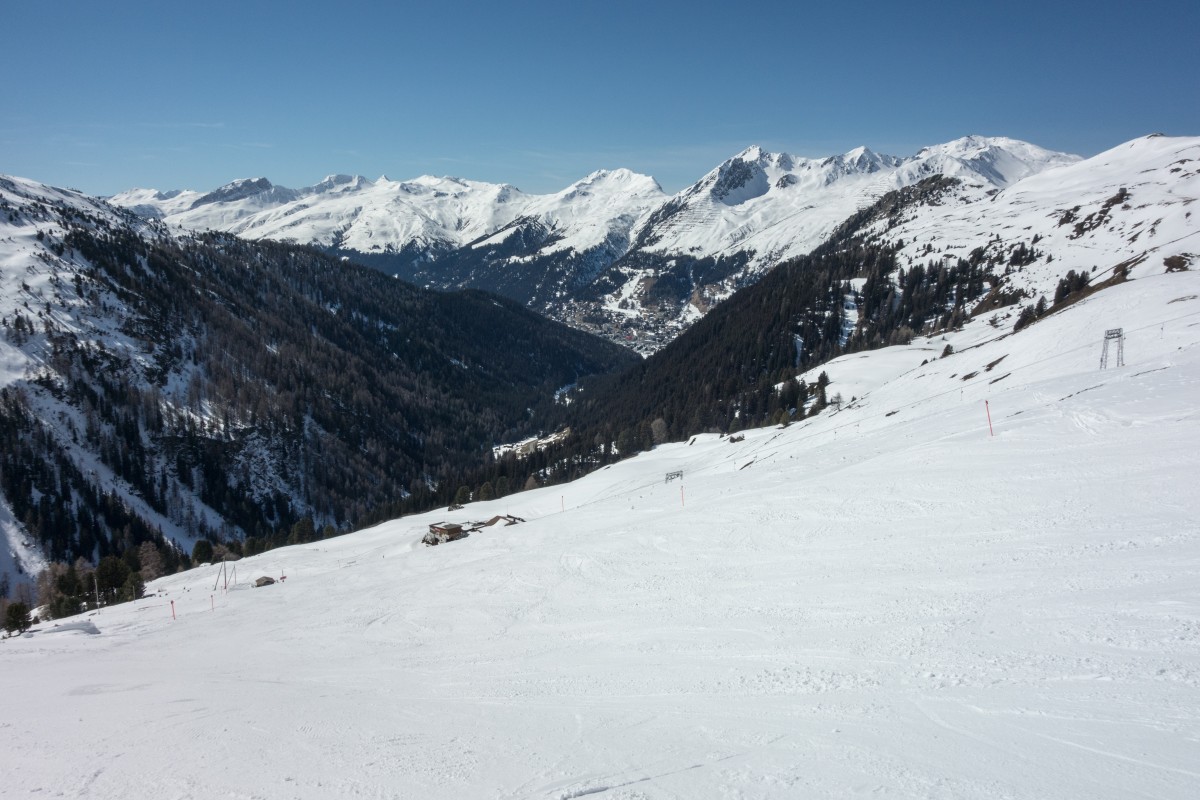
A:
x: 611, y: 253
x: 385, y: 216
x: 1125, y: 213
x: 759, y: 209
x: 779, y: 206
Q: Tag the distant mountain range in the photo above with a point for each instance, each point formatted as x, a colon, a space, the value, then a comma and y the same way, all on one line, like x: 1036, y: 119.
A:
x: 612, y: 253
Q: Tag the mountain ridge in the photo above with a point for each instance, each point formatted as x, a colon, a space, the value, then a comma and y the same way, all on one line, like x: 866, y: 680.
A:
x: 591, y: 254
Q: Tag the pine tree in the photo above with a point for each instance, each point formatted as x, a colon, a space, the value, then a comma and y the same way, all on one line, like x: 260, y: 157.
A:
x: 110, y: 577
x: 303, y: 531
x: 16, y: 618
x: 133, y: 588
x: 202, y: 552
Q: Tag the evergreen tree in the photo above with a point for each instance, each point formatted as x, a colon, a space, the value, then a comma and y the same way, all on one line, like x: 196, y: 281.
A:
x: 133, y: 588
x: 16, y: 618
x: 626, y: 442
x: 303, y: 531
x: 111, y: 573
x: 202, y: 552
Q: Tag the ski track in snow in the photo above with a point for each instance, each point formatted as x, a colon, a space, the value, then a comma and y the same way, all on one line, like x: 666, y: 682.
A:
x: 881, y: 600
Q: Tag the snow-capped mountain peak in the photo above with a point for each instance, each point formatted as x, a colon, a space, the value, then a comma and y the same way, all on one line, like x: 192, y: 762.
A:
x: 998, y: 160
x: 261, y: 190
x: 752, y: 153
x: 341, y: 183
x: 778, y: 205
x: 617, y: 179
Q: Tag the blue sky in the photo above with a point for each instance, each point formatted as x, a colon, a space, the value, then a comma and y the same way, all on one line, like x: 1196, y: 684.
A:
x: 107, y: 96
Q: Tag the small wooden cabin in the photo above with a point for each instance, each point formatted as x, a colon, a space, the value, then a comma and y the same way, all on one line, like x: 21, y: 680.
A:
x: 447, y: 531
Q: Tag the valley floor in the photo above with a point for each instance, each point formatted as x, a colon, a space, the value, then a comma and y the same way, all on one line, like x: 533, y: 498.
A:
x: 882, y: 600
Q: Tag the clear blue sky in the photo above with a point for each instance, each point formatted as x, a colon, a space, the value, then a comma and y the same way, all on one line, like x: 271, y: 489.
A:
x: 104, y: 96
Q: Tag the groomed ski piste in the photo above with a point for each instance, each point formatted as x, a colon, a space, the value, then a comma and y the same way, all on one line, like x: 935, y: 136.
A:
x: 884, y: 600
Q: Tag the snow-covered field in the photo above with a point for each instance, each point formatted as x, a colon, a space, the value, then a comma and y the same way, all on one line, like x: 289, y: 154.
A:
x: 881, y: 601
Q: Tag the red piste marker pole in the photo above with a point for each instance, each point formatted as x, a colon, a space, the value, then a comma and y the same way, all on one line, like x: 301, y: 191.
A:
x: 212, y: 602
x: 681, y: 503
x: 988, y: 409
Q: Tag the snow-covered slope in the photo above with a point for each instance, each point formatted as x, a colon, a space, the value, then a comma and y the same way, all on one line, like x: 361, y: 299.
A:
x: 883, y: 600
x: 1132, y: 207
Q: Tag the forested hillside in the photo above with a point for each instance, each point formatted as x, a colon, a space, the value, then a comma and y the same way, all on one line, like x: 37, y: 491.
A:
x: 208, y: 387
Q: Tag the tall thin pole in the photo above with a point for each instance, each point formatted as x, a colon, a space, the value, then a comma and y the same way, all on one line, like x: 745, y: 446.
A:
x: 988, y: 409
